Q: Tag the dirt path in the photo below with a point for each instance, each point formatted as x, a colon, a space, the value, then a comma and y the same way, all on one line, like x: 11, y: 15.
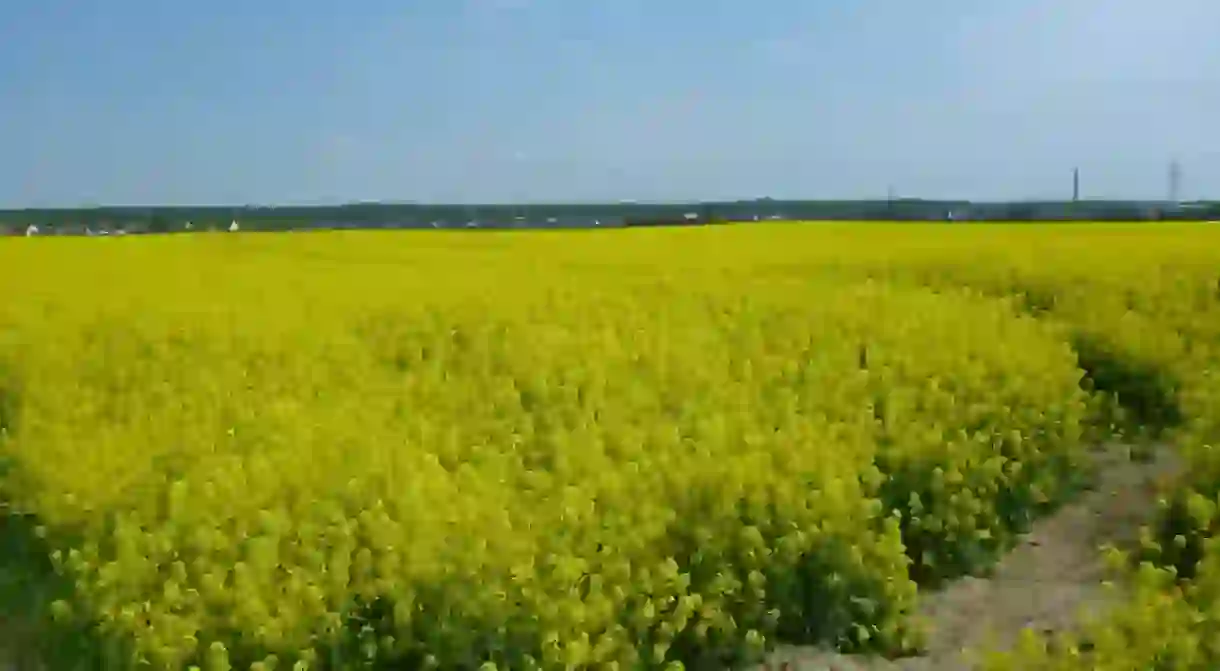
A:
x: 1046, y: 582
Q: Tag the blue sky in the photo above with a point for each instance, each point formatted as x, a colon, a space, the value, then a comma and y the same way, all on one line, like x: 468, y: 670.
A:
x: 272, y: 101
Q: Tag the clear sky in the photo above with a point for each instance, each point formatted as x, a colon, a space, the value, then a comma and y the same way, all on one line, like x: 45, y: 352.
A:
x: 302, y: 101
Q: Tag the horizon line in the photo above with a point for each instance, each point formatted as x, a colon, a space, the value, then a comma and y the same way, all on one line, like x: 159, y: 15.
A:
x: 586, y: 203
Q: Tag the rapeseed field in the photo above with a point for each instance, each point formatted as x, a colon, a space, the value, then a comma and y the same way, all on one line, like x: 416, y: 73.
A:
x: 642, y: 449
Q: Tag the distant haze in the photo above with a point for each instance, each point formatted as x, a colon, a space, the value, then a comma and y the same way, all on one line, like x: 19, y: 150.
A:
x: 157, y: 102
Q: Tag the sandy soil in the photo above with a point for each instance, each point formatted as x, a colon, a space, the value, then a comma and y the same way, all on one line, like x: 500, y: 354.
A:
x: 1047, y: 582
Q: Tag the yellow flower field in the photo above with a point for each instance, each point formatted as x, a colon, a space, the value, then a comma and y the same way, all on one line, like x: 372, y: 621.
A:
x: 661, y: 448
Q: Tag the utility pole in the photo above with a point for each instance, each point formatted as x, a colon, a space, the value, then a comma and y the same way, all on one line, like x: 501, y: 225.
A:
x: 1175, y: 180
x: 1075, y: 184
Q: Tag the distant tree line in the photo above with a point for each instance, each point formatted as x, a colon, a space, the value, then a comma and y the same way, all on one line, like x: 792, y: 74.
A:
x: 395, y: 215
